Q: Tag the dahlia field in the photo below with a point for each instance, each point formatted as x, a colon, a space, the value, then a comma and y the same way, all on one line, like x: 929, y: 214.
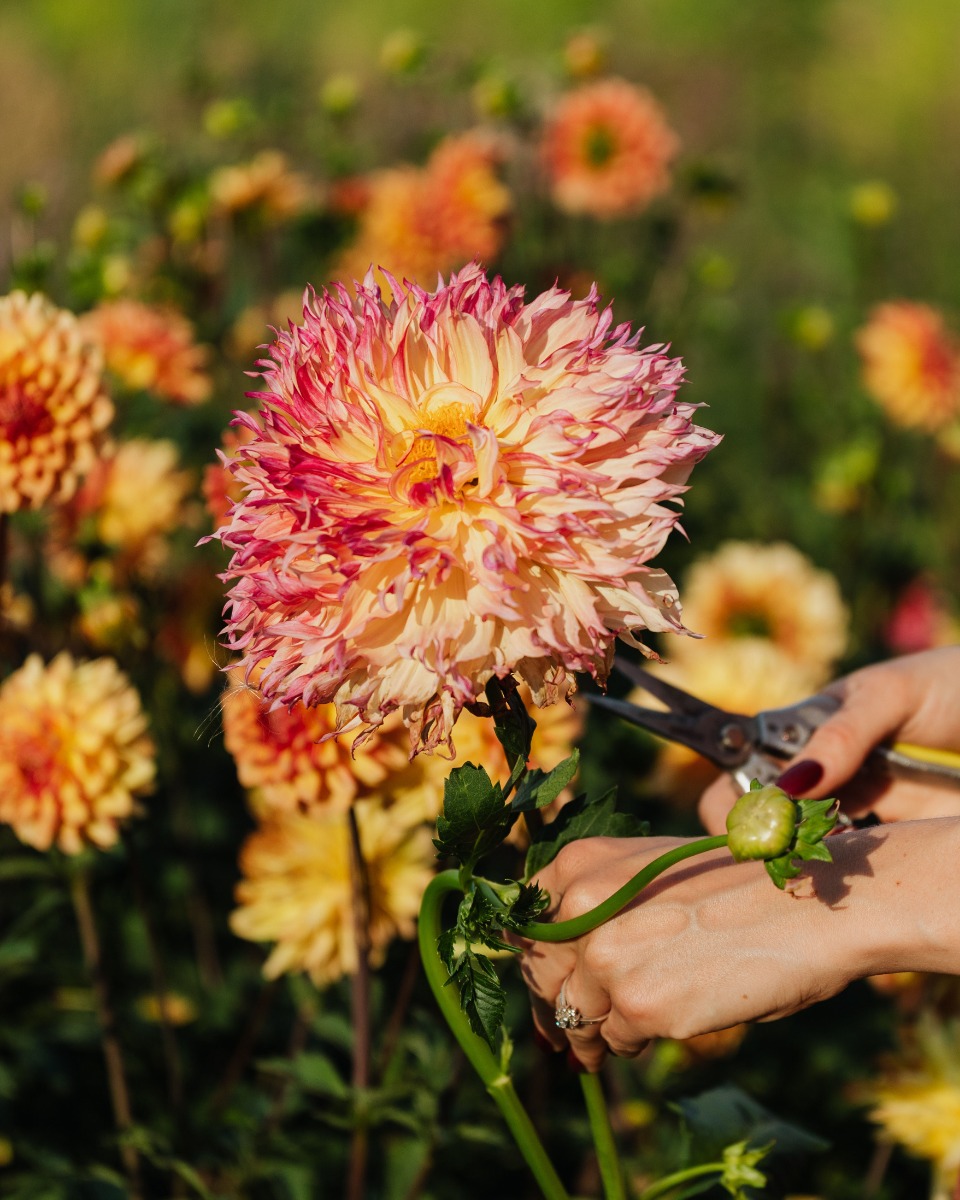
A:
x: 368, y: 379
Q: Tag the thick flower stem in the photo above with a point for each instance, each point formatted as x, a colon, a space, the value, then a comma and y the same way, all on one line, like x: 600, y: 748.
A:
x: 604, y: 1144
x: 116, y: 1076
x: 562, y: 931
x: 484, y: 1062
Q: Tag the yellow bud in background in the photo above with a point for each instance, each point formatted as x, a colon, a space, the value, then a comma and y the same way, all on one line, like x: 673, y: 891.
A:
x: 585, y: 53
x: 90, y: 227
x: 873, y: 203
x: 402, y: 52
x: 340, y: 94
x: 813, y: 327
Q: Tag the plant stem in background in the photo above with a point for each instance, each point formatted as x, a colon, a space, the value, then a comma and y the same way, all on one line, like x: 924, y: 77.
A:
x: 562, y: 931
x: 116, y: 1076
x: 360, y: 1007
x: 608, y: 1159
x: 670, y: 1183
x: 497, y: 1082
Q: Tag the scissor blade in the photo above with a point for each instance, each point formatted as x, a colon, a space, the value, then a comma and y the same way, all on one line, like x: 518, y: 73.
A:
x: 674, y: 697
x: 725, y: 739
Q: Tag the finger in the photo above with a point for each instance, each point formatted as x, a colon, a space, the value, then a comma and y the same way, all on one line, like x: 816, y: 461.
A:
x: 544, y: 968
x: 588, y: 1007
x: 716, y: 802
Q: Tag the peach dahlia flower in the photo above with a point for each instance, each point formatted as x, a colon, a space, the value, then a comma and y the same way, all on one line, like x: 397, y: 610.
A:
x: 74, y: 752
x: 911, y: 365
x: 769, y: 590
x: 452, y: 486
x: 53, y: 406
x: 607, y: 149
x: 296, y: 891
x: 151, y: 348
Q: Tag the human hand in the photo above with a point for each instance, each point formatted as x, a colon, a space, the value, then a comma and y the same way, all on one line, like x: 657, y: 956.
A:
x: 915, y: 698
x: 709, y: 944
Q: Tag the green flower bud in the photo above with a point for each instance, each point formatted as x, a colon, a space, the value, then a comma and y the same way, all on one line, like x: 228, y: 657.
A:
x: 762, y: 824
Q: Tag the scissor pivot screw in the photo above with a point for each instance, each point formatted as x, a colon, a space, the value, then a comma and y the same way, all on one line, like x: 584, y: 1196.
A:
x: 732, y: 737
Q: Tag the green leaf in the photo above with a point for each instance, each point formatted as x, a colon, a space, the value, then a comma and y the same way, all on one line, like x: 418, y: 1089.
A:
x: 512, y: 724
x: 316, y: 1073
x: 581, y: 818
x: 724, y: 1115
x: 541, y: 788
x: 816, y: 819
x: 475, y: 819
x: 482, y: 996
x: 528, y: 905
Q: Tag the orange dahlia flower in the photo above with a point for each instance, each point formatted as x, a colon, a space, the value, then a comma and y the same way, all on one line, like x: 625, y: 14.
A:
x: 290, y: 760
x: 150, y: 349
x: 607, y: 149
x: 451, y: 486
x: 265, y: 185
x: 297, y: 893
x: 74, y: 753
x: 421, y: 222
x: 911, y: 365
x: 53, y: 406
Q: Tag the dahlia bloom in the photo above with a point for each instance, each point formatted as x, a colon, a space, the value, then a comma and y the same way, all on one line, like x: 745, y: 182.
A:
x: 448, y: 487
x: 74, y: 753
x: 134, y: 499
x: 296, y: 891
x: 768, y: 590
x: 265, y: 185
x: 421, y: 222
x: 150, y: 349
x: 743, y: 675
x: 53, y: 406
x: 289, y: 760
x: 607, y: 149
x: 916, y: 1102
x: 911, y: 365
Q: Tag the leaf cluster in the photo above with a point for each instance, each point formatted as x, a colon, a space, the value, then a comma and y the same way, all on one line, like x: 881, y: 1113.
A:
x: 815, y: 820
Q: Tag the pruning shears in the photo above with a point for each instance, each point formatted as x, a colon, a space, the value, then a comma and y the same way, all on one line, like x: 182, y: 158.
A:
x: 756, y: 747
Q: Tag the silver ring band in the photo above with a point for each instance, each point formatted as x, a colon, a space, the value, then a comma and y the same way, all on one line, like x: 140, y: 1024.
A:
x: 568, y: 1016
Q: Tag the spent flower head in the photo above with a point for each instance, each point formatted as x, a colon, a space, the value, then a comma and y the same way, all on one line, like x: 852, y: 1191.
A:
x: 448, y: 487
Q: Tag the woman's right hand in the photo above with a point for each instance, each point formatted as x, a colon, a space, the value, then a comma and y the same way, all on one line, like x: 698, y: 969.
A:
x: 915, y: 699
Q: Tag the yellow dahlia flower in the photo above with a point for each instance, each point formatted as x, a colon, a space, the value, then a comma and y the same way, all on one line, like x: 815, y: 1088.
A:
x: 53, y: 407
x: 291, y: 760
x: 768, y: 590
x: 150, y: 349
x: 911, y: 365
x: 742, y: 675
x: 74, y: 753
x: 450, y: 486
x: 296, y: 891
x: 607, y: 149
x: 916, y: 1101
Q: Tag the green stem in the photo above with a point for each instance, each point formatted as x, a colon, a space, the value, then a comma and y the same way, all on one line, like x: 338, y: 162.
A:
x: 481, y: 1057
x: 562, y: 931
x: 608, y: 1159
x: 670, y: 1183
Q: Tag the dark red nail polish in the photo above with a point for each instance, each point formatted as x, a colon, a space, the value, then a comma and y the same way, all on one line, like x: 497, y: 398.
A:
x: 801, y: 777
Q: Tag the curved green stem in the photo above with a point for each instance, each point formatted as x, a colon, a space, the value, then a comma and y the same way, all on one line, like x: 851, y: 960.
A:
x: 481, y: 1057
x: 608, y: 1159
x: 670, y: 1183
x: 562, y: 931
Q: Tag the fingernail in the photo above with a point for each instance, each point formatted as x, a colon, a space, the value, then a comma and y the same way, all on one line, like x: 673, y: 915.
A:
x: 801, y: 777
x: 575, y: 1064
x: 543, y: 1043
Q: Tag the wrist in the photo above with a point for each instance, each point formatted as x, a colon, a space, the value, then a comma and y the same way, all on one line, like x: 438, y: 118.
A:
x: 895, y: 889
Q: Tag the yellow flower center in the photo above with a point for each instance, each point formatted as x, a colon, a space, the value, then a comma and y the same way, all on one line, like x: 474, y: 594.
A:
x: 445, y: 410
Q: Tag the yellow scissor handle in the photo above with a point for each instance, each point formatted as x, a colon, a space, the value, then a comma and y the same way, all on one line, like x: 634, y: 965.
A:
x: 943, y: 758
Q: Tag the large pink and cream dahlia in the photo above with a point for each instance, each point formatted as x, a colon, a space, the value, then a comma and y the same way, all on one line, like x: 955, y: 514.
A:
x: 450, y: 486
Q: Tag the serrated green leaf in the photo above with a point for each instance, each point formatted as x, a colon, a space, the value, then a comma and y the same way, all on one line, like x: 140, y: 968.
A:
x: 541, y: 788
x: 581, y: 818
x: 474, y: 819
x: 512, y: 724
x: 482, y: 996
x: 446, y: 944
x: 528, y: 905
